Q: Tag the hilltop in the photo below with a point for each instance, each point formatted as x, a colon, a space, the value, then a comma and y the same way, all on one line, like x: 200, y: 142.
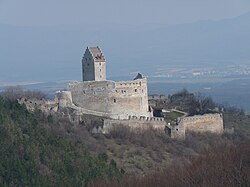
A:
x: 70, y: 155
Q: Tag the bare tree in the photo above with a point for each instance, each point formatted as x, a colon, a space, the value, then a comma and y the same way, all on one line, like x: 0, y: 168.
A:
x: 16, y: 92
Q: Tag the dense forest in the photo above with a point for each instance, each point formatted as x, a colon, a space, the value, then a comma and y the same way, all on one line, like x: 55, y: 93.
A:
x: 38, y: 149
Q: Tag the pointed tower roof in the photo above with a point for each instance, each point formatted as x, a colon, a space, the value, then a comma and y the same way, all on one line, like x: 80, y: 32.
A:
x: 96, y: 53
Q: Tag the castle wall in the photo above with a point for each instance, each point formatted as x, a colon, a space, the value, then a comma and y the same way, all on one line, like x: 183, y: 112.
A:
x: 206, y: 123
x: 44, y: 105
x: 134, y: 123
x: 64, y: 99
x: 200, y: 123
x: 127, y: 98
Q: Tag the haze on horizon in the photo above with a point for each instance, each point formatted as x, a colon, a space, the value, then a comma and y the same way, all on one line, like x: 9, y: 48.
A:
x: 53, y: 35
x: 132, y: 12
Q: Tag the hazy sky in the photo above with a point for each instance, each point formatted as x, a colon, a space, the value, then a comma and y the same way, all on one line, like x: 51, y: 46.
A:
x: 79, y: 12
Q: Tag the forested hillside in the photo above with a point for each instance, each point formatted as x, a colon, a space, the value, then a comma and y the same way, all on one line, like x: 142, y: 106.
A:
x: 223, y: 166
x: 48, y: 150
x: 33, y: 153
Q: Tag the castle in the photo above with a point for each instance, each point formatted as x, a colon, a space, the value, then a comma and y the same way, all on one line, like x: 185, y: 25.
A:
x: 117, y: 100
x: 123, y: 103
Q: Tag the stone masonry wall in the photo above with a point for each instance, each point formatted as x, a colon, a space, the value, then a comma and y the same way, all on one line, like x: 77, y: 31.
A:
x: 44, y: 105
x: 88, y: 67
x: 201, y: 123
x: 93, y: 69
x: 140, y: 124
x: 206, y: 123
x: 127, y: 98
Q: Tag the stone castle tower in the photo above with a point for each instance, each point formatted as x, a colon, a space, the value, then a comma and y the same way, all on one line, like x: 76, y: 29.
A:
x: 97, y: 96
x: 93, y: 65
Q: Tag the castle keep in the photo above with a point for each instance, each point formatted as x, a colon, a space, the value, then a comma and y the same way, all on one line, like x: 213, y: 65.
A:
x: 93, y: 65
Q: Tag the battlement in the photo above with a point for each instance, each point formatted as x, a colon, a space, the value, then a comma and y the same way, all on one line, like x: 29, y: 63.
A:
x: 204, y: 117
x: 91, y: 85
x: 128, y: 84
x: 143, y: 118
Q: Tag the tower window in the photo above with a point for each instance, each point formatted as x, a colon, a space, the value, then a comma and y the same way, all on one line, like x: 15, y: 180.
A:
x: 100, y: 70
x: 135, y: 90
x: 114, y: 100
x: 100, y: 63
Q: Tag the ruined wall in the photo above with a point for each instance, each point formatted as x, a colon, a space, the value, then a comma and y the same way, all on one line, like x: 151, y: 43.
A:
x: 128, y: 98
x: 44, y: 105
x: 200, y: 123
x: 64, y: 99
x: 206, y: 123
x: 134, y: 123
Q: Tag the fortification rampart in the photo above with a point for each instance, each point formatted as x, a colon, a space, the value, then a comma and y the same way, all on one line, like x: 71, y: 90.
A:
x: 200, y: 123
x: 137, y: 124
x: 44, y: 105
x: 64, y: 99
x: 209, y: 122
x: 205, y: 123
x: 127, y: 98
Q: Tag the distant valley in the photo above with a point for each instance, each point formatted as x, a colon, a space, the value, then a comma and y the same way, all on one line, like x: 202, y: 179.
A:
x: 229, y: 90
x: 211, y: 57
x: 129, y: 48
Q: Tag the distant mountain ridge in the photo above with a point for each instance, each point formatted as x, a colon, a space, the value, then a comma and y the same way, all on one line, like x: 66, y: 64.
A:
x: 28, y: 53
